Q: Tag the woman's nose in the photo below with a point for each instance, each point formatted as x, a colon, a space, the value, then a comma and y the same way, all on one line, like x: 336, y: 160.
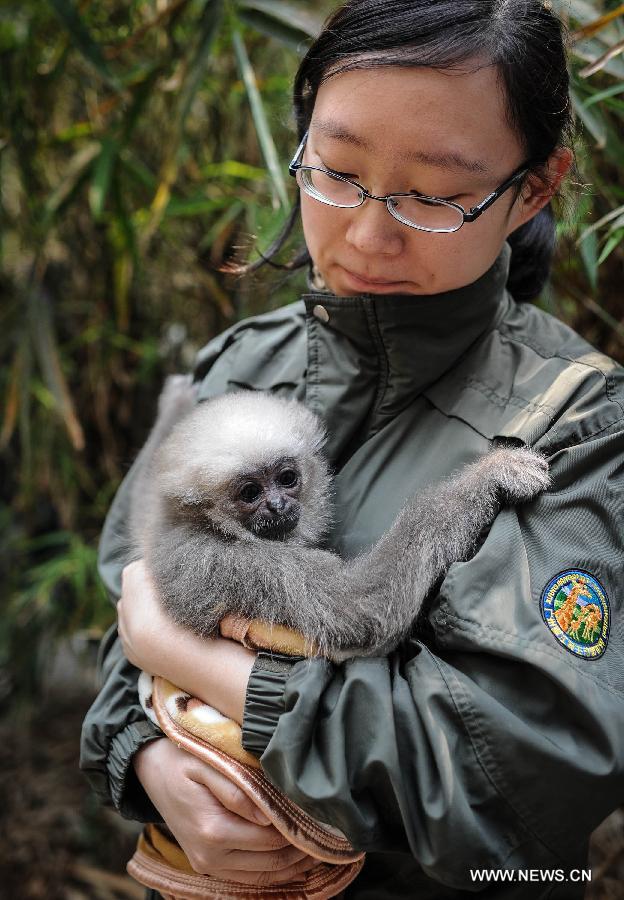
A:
x: 373, y: 230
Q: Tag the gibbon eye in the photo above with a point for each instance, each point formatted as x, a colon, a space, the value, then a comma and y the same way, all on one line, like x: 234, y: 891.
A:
x: 288, y: 478
x: 250, y: 492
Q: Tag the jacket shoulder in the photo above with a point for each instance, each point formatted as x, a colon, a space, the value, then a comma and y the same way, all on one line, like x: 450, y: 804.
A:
x: 261, y: 352
x: 534, y: 378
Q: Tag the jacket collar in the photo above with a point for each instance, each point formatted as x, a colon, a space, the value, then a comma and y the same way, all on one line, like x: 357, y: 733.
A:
x: 370, y: 355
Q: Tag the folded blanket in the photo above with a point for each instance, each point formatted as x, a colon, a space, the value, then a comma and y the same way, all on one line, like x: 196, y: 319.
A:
x: 160, y: 863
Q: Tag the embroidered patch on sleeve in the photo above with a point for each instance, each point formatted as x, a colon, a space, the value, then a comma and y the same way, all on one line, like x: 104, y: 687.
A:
x: 576, y: 609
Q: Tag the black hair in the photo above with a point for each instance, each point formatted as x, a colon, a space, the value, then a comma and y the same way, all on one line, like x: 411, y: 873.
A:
x: 522, y: 38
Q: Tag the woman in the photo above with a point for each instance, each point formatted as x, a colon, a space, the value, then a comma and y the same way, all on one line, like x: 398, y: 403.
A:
x: 492, y: 739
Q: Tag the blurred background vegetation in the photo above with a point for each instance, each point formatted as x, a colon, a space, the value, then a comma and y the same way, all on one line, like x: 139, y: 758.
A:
x: 143, y: 143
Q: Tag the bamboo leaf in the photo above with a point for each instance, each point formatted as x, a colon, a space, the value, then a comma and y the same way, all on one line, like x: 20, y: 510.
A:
x: 73, y: 132
x: 591, y: 120
x: 286, y: 13
x: 195, y: 206
x: 102, y: 172
x: 208, y: 27
x: 47, y: 352
x: 12, y: 401
x: 218, y: 295
x: 591, y: 50
x: 76, y: 172
x: 581, y: 10
x: 123, y: 270
x: 172, y: 10
x: 230, y: 214
x: 285, y: 34
x: 589, y: 255
x: 602, y: 61
x: 570, y: 295
x: 52, y: 539
x: 25, y: 431
x: 604, y: 220
x: 92, y: 52
x: 619, y: 223
x: 592, y: 28
x: 610, y: 246
x: 282, y: 21
x: 142, y: 92
x: 137, y: 168
x: 612, y: 91
x: 233, y: 169
x: 122, y: 238
x: 263, y: 131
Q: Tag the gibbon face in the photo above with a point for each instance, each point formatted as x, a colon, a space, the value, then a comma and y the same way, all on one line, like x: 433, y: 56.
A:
x: 247, y: 466
x: 266, y: 501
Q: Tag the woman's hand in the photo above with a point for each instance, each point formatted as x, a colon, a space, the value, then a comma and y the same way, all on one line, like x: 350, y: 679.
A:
x: 152, y: 641
x: 144, y: 628
x: 218, y: 827
x: 213, y: 821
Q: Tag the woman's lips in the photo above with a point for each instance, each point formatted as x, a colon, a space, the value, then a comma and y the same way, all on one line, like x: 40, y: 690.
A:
x: 370, y: 284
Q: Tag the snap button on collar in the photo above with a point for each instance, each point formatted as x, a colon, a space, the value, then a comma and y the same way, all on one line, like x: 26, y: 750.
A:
x: 321, y: 313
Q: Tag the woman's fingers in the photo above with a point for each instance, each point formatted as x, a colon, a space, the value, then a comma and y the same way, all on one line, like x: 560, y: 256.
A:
x: 227, y: 831
x: 271, y: 861
x: 276, y: 861
x: 216, y: 840
x: 249, y: 871
x: 264, y: 879
x: 227, y: 793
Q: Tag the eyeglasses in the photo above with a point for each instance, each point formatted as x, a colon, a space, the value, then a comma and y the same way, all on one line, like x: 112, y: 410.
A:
x: 416, y: 210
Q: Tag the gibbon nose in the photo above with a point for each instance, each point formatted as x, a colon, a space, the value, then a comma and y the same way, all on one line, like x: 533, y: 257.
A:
x: 276, y: 503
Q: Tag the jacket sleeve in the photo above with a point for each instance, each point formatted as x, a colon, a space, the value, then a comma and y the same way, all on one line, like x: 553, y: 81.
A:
x: 491, y: 745
x: 116, y: 727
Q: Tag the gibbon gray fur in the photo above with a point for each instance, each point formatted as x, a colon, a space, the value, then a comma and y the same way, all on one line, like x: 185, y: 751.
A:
x: 235, y: 496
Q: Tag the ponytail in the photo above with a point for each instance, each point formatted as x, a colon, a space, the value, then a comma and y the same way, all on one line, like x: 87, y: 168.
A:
x: 532, y: 247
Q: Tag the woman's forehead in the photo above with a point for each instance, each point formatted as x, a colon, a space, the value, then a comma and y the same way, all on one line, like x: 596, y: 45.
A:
x: 455, y: 120
x: 445, y: 158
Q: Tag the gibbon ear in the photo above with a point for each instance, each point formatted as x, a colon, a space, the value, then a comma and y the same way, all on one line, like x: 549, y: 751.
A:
x: 180, y: 488
x: 191, y: 498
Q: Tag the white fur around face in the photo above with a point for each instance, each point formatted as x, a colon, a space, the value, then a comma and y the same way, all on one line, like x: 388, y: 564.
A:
x: 221, y: 438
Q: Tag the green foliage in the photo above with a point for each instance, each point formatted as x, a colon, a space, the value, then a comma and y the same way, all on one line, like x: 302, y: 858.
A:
x: 592, y: 249
x: 131, y: 171
x: 143, y: 145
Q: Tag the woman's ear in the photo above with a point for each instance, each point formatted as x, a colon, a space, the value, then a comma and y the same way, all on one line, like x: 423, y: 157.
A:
x: 538, y: 191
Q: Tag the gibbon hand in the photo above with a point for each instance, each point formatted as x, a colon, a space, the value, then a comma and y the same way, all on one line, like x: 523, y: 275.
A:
x: 153, y: 642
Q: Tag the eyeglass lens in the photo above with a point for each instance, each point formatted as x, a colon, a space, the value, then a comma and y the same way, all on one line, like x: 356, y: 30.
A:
x: 325, y: 187
x: 430, y: 214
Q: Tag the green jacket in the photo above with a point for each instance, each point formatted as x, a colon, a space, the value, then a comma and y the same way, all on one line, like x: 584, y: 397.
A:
x: 486, y: 740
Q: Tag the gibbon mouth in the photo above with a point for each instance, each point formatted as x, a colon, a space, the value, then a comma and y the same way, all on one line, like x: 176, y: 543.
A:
x: 275, y: 529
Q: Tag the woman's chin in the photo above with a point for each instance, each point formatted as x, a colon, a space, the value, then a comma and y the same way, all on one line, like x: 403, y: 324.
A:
x: 345, y: 283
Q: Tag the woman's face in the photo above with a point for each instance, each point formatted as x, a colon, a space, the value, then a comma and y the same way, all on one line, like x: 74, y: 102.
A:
x: 396, y: 130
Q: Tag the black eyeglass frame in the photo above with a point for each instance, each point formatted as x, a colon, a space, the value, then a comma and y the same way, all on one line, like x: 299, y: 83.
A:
x: 467, y: 216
